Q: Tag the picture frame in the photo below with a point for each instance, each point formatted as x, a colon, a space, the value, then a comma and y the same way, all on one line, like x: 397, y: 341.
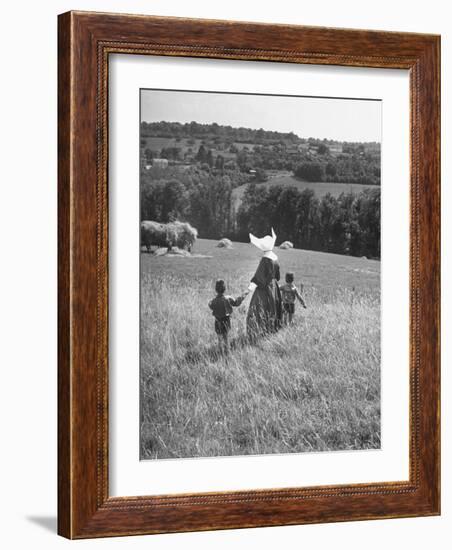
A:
x: 85, y: 42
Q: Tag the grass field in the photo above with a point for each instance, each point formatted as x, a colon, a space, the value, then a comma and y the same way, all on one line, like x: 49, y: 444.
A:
x: 312, y: 387
x: 320, y: 188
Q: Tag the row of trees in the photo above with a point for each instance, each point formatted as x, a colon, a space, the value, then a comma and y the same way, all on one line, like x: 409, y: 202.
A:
x: 203, y: 198
x: 214, y: 131
x: 222, y: 133
x: 348, y: 224
x: 363, y: 169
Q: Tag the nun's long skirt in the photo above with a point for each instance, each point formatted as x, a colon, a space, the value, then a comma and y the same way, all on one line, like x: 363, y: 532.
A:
x: 265, y: 311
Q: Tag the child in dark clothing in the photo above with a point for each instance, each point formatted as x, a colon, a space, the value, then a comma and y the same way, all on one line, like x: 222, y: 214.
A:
x: 221, y: 307
x: 289, y: 292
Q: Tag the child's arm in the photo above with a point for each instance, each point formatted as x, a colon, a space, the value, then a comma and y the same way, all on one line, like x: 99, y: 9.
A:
x: 300, y: 298
x: 237, y: 301
x: 251, y: 288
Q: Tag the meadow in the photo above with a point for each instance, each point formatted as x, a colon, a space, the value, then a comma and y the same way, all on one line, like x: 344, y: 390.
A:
x: 314, y: 386
x: 319, y: 188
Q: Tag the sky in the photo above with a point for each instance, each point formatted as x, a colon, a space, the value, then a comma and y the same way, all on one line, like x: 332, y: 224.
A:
x: 331, y: 118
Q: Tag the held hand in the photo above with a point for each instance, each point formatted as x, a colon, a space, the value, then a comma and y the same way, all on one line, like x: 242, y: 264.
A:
x: 252, y: 287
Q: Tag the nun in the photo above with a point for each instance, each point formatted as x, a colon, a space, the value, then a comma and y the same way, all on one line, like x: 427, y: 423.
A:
x: 265, y: 311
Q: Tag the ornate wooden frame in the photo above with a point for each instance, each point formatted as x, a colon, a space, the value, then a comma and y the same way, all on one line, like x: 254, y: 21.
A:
x: 85, y: 42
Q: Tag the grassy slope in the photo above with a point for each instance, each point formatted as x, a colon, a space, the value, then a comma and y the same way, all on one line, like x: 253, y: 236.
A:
x: 314, y: 386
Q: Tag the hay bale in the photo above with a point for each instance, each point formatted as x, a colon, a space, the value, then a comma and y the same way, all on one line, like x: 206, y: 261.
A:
x: 160, y: 252
x: 286, y: 245
x: 175, y: 251
x: 224, y: 243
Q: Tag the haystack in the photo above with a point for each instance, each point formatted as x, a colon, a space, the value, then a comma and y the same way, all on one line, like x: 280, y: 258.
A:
x: 286, y: 245
x: 224, y: 243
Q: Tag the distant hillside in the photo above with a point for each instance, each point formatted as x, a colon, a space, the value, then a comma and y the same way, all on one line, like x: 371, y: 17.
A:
x: 260, y: 151
x: 231, y: 134
x: 202, y: 131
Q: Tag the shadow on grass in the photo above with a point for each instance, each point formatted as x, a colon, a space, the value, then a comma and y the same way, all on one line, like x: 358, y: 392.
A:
x: 215, y: 353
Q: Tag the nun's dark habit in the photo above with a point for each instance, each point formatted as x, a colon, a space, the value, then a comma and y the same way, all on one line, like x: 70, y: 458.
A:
x: 265, y: 311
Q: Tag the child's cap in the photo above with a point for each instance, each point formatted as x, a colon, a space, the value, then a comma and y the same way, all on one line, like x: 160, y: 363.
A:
x: 220, y: 287
x: 289, y: 277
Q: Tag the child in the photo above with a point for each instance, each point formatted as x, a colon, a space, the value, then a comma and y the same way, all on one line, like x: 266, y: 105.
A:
x: 221, y: 307
x: 288, y: 294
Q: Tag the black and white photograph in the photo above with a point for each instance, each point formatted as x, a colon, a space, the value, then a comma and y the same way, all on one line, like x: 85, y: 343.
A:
x: 259, y: 274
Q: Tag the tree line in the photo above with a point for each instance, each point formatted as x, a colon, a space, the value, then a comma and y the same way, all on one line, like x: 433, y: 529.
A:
x: 348, y: 224
x: 203, y: 198
x: 352, y: 169
x: 221, y: 132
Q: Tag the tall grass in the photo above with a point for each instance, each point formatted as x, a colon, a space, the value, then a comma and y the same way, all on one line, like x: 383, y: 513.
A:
x: 314, y: 386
